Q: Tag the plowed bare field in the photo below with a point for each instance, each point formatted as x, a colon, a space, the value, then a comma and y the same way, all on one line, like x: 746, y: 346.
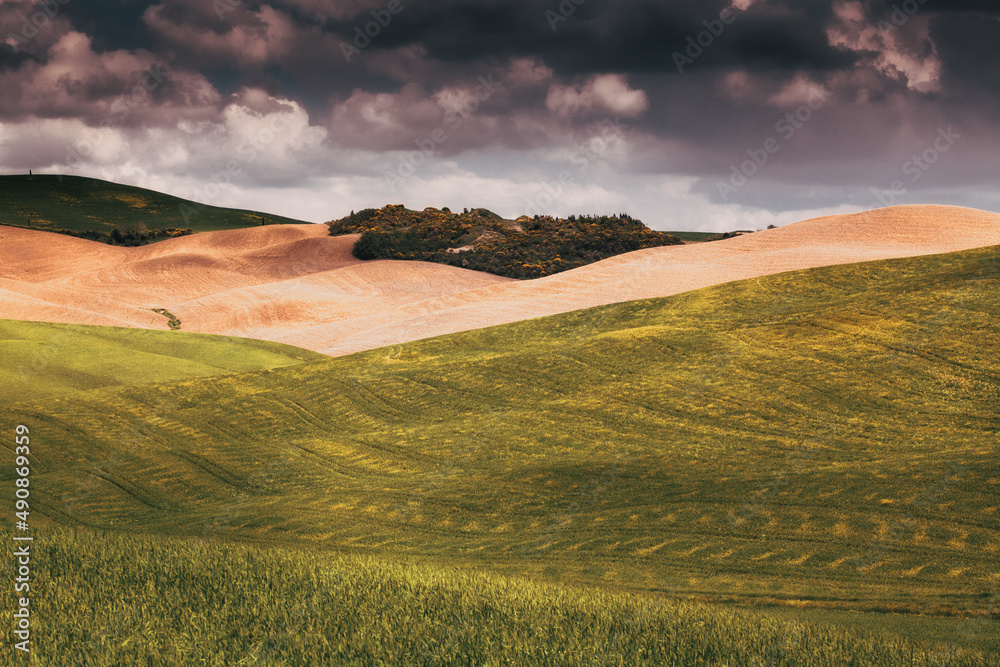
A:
x: 295, y: 284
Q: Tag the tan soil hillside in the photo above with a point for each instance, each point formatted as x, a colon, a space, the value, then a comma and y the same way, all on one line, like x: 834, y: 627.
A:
x: 295, y: 284
x: 220, y: 282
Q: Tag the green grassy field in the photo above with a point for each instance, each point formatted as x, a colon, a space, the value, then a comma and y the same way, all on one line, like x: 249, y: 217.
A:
x: 42, y: 361
x: 50, y: 202
x: 171, y: 601
x: 824, y: 441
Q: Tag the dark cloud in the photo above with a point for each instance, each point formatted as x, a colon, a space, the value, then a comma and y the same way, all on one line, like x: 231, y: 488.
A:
x: 893, y: 72
x: 949, y: 6
x: 11, y: 59
x: 111, y: 24
x: 970, y: 55
x: 601, y: 35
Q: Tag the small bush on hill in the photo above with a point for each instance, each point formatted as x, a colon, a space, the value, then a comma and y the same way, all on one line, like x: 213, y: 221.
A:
x: 124, y: 235
x: 136, y: 234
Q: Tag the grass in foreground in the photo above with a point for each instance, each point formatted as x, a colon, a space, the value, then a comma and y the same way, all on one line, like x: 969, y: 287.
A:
x: 821, y: 439
x: 77, y: 204
x: 106, y: 599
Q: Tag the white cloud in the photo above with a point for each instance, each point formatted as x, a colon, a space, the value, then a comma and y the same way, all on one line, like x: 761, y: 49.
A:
x: 905, y: 51
x: 111, y: 88
x: 389, y: 120
x: 454, y: 118
x: 608, y: 93
x: 276, y: 136
x: 223, y: 161
x: 526, y: 72
x: 800, y: 90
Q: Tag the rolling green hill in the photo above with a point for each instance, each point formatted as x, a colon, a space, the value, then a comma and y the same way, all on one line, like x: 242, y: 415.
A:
x: 77, y: 204
x: 40, y: 361
x: 824, y: 439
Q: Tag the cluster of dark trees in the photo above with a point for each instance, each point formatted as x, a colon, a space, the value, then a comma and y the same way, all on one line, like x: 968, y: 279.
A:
x: 132, y: 235
x: 481, y: 240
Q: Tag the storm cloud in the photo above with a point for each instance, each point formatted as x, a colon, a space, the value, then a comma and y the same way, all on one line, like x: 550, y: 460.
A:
x: 688, y: 115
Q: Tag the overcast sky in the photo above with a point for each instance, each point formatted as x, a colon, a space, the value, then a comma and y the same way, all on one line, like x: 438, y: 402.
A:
x: 712, y: 115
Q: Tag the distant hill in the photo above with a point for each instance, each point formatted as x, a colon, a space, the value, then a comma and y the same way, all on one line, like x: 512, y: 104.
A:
x: 481, y: 240
x: 113, y: 213
x: 298, y: 285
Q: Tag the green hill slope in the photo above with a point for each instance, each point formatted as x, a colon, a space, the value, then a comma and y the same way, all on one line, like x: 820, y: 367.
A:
x: 78, y: 204
x: 43, y: 361
x: 169, y: 601
x: 823, y: 438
